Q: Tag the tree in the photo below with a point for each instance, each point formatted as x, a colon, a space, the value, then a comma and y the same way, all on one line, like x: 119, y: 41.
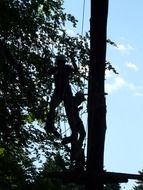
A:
x: 30, y: 32
x: 112, y: 187
x: 139, y: 184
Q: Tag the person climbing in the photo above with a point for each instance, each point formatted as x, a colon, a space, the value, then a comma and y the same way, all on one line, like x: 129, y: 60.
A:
x: 78, y: 130
x: 62, y: 92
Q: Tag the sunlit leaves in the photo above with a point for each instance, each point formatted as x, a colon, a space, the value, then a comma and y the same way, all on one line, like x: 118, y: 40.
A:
x: 31, y: 32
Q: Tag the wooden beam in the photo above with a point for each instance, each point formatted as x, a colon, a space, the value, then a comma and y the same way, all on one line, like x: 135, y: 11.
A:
x: 104, y: 177
x: 96, y: 94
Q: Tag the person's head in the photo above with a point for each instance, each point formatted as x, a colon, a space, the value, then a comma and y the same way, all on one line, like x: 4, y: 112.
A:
x: 60, y: 60
x: 79, y: 97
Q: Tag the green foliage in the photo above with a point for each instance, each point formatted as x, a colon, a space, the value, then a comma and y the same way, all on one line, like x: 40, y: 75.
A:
x: 112, y: 187
x: 55, y: 163
x: 138, y: 187
x: 139, y: 184
x: 30, y: 32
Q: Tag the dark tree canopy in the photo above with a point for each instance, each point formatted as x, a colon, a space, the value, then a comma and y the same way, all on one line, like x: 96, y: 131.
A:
x: 139, y: 184
x: 31, y: 33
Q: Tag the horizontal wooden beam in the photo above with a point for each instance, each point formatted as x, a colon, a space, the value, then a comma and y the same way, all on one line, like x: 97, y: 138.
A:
x: 105, y: 177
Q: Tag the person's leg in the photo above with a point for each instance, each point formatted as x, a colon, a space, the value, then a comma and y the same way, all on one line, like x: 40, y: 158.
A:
x: 81, y: 131
x: 69, y: 107
x: 80, y: 162
x: 49, y: 127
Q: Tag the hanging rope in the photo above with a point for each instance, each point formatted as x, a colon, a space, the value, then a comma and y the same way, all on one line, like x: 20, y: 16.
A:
x: 83, y: 13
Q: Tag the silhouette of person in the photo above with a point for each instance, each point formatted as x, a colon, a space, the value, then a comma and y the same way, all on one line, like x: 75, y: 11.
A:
x: 77, y: 130
x: 62, y: 92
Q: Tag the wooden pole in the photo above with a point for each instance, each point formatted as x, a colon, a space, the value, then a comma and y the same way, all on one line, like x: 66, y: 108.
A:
x: 96, y: 95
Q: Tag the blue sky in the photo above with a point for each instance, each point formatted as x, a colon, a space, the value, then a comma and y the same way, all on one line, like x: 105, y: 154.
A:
x: 123, y: 145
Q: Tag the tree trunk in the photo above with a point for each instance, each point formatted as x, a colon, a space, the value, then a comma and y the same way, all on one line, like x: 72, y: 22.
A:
x: 96, y: 95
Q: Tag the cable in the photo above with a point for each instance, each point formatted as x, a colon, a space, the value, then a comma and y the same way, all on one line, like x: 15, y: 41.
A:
x: 83, y: 13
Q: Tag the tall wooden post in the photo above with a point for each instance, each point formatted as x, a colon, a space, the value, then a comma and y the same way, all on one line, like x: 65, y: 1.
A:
x: 96, y: 96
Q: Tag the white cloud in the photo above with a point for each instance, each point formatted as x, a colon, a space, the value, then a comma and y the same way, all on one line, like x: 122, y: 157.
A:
x: 121, y: 47
x: 116, y: 85
x: 139, y: 94
x: 137, y: 90
x: 109, y: 74
x: 132, y: 66
x: 124, y: 48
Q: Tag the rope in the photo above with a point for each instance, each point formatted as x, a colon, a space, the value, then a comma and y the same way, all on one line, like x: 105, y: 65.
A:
x: 83, y: 13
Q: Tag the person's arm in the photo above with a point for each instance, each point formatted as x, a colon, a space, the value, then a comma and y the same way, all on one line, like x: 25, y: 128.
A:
x: 75, y: 67
x: 80, y: 108
x: 74, y: 64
